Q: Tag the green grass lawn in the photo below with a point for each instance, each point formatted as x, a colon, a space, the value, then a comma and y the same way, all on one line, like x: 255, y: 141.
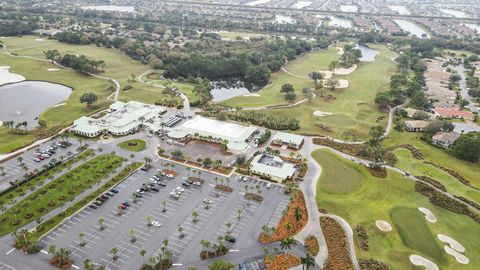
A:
x: 58, y: 192
x: 469, y: 170
x: 377, y: 199
x: 139, y: 145
x: 354, y: 108
x: 9, y: 142
x: 338, y: 179
x: 313, y: 61
x: 421, y: 239
x: 418, y: 167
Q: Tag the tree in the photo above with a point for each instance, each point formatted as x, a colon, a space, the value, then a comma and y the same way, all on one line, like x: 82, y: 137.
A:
x: 101, y: 224
x: 180, y: 232
x: 287, y: 88
x: 114, y: 252
x: 194, y: 216
x: 376, y: 133
x: 131, y: 234
x: 142, y: 253
x: 333, y: 65
x: 52, y: 54
x: 419, y: 101
x: 467, y: 147
x: 287, y: 243
x: 89, y: 98
x: 331, y: 83
x: 307, y: 262
x: 289, y: 96
x: 315, y: 75
x: 297, y: 213
x: 221, y: 265
x: 81, y: 237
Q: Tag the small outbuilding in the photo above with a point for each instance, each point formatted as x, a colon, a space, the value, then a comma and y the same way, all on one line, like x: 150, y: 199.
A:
x: 291, y: 140
x: 272, y: 167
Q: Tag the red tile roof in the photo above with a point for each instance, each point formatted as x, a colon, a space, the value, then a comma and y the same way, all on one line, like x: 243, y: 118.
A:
x: 453, y: 112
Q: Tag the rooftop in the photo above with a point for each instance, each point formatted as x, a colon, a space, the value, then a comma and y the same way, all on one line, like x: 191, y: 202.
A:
x: 288, y: 138
x: 272, y: 165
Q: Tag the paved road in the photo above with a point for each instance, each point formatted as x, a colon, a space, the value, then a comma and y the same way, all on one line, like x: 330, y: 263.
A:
x: 464, y: 91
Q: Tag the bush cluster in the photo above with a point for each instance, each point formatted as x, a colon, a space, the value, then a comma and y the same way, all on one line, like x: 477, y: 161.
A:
x: 371, y: 264
x: 362, y: 237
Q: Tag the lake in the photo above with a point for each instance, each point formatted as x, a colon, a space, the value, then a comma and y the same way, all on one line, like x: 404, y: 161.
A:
x: 8, y: 77
x: 412, y: 28
x: 15, y: 106
x: 349, y: 8
x: 284, y: 19
x: 340, y: 22
x: 223, y: 90
x: 455, y: 13
x: 111, y: 8
x: 400, y: 10
x: 368, y: 54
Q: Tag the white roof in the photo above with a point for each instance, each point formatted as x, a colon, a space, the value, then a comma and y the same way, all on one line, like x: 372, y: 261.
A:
x: 288, y: 138
x: 235, y: 134
x: 86, y: 125
x: 281, y: 169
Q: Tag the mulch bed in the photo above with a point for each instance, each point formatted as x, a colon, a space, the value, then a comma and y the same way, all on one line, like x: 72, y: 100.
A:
x: 204, y: 254
x: 371, y: 264
x: 253, y: 197
x: 311, y: 243
x: 196, y: 179
x: 223, y: 188
x: 282, y: 262
x: 65, y: 265
x: 379, y: 172
x: 432, y: 182
x: 338, y: 253
x: 362, y: 237
x: 296, y: 226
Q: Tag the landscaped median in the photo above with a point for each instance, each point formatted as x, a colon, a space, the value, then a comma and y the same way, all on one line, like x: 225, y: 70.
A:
x: 19, y: 190
x: 45, y: 227
x: 293, y: 220
x: 58, y: 192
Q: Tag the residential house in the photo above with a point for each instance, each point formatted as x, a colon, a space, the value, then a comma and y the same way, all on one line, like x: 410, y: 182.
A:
x: 416, y: 125
x: 445, y: 139
x: 454, y: 113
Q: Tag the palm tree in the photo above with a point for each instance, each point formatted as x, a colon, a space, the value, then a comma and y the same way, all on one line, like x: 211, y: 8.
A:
x: 132, y: 156
x: 195, y: 216
x: 188, y: 172
x: 180, y: 232
x: 287, y: 243
x: 288, y: 226
x: 149, y: 220
x: 297, y: 213
x: 239, y: 213
x: 147, y: 160
x: 164, y: 204
x: 132, y: 236
x: 101, y: 224
x: 114, y: 252
x: 81, y: 236
x: 142, y: 253
x: 307, y: 262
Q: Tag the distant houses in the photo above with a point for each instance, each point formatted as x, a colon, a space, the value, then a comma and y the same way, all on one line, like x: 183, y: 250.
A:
x: 416, y: 125
x: 454, y: 113
x: 290, y: 140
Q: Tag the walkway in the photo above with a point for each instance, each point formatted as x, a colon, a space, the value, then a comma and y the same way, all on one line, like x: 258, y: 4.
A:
x: 463, y: 85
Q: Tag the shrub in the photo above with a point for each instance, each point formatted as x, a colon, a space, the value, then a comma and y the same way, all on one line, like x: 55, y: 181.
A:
x: 362, y: 237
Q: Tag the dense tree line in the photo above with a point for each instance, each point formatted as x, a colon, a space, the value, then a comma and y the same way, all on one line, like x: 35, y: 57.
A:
x: 72, y: 37
x: 467, y: 147
x: 403, y: 86
x: 16, y: 28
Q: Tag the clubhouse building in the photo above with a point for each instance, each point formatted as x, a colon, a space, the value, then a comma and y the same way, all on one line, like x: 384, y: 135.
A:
x: 272, y: 167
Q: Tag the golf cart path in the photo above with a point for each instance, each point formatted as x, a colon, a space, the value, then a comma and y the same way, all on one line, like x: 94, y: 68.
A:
x: 186, y: 102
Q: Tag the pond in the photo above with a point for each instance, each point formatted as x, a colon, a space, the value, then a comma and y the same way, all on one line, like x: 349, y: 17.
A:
x: 412, y: 28
x: 111, y: 8
x: 15, y: 106
x: 454, y: 13
x: 400, y: 10
x: 349, y: 8
x: 340, y: 22
x: 284, y: 19
x: 8, y: 77
x: 368, y: 54
x: 223, y: 90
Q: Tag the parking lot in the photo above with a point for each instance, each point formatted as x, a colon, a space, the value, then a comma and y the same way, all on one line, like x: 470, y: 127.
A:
x: 12, y: 167
x: 209, y: 224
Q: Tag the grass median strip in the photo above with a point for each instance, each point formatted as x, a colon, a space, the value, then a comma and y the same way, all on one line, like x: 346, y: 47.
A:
x: 46, y: 226
x: 56, y: 193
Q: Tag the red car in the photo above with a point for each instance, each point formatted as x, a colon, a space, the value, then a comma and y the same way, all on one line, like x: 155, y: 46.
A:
x: 122, y: 206
x: 41, y: 157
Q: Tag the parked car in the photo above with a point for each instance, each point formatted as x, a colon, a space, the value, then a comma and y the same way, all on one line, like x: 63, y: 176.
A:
x: 163, y: 184
x: 197, y: 184
x: 207, y: 201
x: 185, y: 184
x: 98, y: 202
x: 122, y: 206
x: 245, y: 178
x: 93, y: 206
x: 155, y: 189
x: 113, y: 190
x: 126, y: 203
x: 156, y: 224
x: 104, y: 196
x: 41, y: 157
x: 110, y: 193
x: 140, y: 191
x: 180, y: 189
x: 269, y: 185
x: 169, y: 176
x: 174, y: 195
x: 37, y: 160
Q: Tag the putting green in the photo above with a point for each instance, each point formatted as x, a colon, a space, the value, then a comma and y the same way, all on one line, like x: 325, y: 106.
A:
x: 375, y: 199
x: 135, y: 145
x: 337, y: 177
x: 414, y: 232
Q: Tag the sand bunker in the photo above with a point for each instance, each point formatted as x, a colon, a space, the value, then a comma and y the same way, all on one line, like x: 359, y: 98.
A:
x: 320, y: 113
x: 452, y: 242
x: 251, y: 95
x: 53, y: 69
x: 345, y: 71
x: 429, y: 216
x: 383, y: 226
x: 421, y: 261
x: 60, y: 104
x: 341, y: 84
x: 340, y: 51
x: 458, y: 256
x: 7, y: 77
x: 39, y: 39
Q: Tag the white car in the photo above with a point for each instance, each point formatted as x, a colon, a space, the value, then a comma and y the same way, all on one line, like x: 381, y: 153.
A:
x: 169, y: 176
x: 198, y: 184
x: 269, y: 185
x: 156, y: 223
x: 207, y: 201
x: 180, y: 189
x: 174, y: 195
